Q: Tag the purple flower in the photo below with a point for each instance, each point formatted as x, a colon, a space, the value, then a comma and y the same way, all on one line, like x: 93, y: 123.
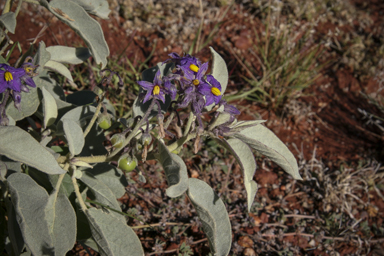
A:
x: 158, y: 88
x: 212, y: 92
x: 15, y: 78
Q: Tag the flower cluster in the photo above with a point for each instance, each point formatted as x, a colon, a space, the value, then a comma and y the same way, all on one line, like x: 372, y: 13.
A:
x: 189, y: 81
x: 12, y: 82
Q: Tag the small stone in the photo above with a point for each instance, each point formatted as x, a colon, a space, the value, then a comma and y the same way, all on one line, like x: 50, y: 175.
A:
x: 249, y: 252
x: 194, y: 174
x: 245, y: 241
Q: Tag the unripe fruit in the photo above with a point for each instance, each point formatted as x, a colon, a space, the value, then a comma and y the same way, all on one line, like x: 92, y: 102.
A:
x: 104, y: 121
x: 127, y: 163
x: 146, y: 139
x: 117, y: 140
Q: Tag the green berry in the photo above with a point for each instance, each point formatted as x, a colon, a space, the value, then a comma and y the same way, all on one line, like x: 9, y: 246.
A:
x: 127, y: 163
x: 105, y: 124
x: 117, y: 140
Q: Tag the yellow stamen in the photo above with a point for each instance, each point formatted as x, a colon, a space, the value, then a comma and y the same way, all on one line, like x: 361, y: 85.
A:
x: 196, y: 82
x: 156, y: 90
x: 28, y: 69
x: 8, y: 76
x: 193, y: 67
x: 215, y: 91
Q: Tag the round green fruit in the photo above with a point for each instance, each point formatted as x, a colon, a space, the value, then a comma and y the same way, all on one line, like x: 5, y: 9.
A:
x: 127, y: 164
x: 105, y: 124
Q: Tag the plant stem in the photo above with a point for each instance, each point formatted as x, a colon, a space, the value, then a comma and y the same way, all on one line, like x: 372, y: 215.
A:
x: 88, y: 129
x: 133, y: 132
x: 191, y: 119
x: 180, y: 142
x: 78, y: 194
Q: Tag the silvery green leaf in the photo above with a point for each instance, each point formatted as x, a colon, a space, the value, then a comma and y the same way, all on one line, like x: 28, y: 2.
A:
x: 245, y: 158
x: 14, y: 231
x: 101, y: 192
x: 267, y: 143
x: 12, y: 166
x: 238, y: 126
x: 219, y: 72
x: 44, y: 80
x: 20, y: 146
x: 9, y: 21
x: 29, y: 103
x: 213, y: 216
x: 175, y: 171
x: 29, y: 200
x: 99, y: 8
x: 61, y: 219
x: 49, y: 108
x: 81, y: 115
x: 68, y: 55
x: 74, y: 135
x: 59, y: 68
x: 110, y: 176
x: 222, y: 118
x: 42, y: 56
x: 113, y: 236
x: 148, y: 75
x: 66, y: 187
x: 90, y: 243
x: 3, y: 170
x: 78, y: 19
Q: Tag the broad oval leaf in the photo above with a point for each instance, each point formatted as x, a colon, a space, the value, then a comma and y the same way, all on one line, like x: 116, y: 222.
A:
x: 20, y: 146
x: 81, y: 115
x: 61, y: 219
x: 69, y: 55
x: 29, y: 200
x: 78, y: 19
x: 219, y: 72
x: 99, y: 8
x: 110, y: 176
x: 74, y: 135
x: 267, y: 143
x: 49, y: 108
x: 101, y: 192
x: 59, y: 68
x: 213, y: 216
x: 175, y: 171
x: 245, y: 158
x: 9, y: 21
x: 41, y: 57
x: 138, y: 108
x: 113, y: 236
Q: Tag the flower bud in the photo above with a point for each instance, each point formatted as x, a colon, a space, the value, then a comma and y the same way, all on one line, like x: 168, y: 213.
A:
x: 146, y: 139
x: 117, y: 140
x: 127, y: 163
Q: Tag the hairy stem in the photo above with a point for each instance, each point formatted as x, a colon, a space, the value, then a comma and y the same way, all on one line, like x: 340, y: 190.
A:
x: 191, y: 119
x: 93, y: 118
x: 133, y: 132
